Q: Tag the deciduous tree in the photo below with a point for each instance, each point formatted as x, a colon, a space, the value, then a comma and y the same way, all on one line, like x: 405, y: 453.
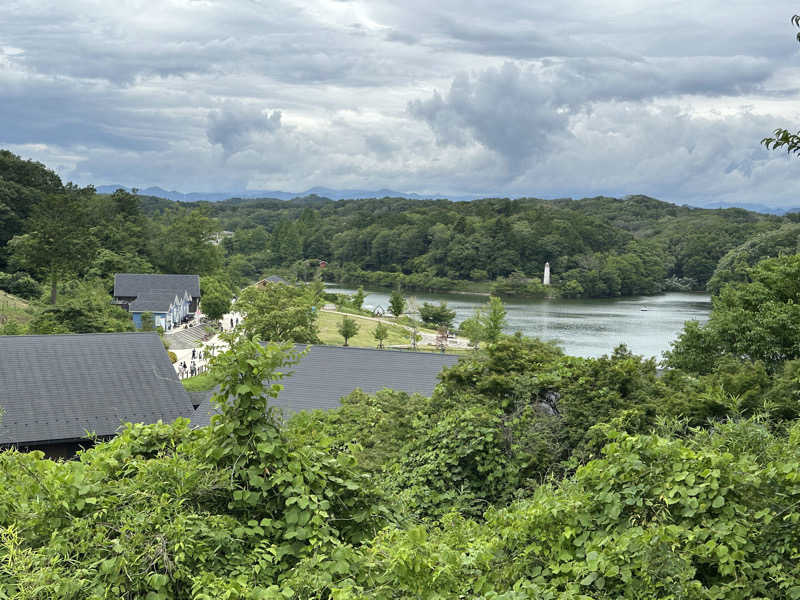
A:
x: 397, y: 303
x: 348, y: 328
x: 380, y: 334
x: 278, y: 312
x: 216, y: 298
x: 438, y: 316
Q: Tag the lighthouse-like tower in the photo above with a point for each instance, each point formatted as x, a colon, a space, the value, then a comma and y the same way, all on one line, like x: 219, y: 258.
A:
x: 546, y: 278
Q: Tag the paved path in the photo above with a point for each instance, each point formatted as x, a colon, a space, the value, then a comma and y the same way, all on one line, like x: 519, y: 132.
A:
x: 201, y: 348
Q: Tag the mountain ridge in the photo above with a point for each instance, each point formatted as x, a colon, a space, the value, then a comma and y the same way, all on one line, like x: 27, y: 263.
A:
x: 331, y: 193
x: 354, y: 194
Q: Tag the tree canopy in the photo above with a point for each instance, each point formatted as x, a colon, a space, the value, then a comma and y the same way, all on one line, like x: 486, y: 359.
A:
x: 279, y: 313
x: 758, y: 320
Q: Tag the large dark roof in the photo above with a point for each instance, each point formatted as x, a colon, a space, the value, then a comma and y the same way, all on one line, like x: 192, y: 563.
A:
x: 274, y: 279
x: 56, y: 387
x: 128, y: 285
x: 328, y: 373
x: 155, y: 301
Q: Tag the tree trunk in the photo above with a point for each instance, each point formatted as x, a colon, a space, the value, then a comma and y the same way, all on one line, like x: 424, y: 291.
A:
x: 53, y: 287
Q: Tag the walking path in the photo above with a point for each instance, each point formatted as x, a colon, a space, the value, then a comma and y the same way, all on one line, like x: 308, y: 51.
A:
x: 213, y: 344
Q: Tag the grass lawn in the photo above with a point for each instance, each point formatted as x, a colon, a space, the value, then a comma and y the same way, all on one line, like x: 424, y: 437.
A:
x: 14, y: 309
x: 198, y: 383
x: 329, y: 332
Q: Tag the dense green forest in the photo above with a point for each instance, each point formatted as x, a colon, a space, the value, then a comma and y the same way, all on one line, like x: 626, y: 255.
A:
x: 597, y: 247
x: 60, y: 236
x: 527, y: 474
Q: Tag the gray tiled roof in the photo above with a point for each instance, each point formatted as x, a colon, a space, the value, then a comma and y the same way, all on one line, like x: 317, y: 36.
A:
x: 155, y: 301
x: 56, y: 387
x: 328, y: 373
x: 274, y: 279
x: 128, y: 285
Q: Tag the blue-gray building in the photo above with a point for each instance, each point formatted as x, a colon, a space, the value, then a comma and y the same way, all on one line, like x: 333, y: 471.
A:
x: 170, y: 298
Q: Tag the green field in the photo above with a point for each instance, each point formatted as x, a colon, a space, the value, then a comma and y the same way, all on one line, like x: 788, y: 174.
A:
x: 198, y: 383
x: 13, y: 309
x: 329, y: 332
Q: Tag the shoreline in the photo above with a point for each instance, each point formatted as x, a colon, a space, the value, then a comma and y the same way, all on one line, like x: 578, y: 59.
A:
x: 485, y: 294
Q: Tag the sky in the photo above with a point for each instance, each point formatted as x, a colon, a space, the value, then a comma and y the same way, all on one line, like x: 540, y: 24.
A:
x: 504, y: 98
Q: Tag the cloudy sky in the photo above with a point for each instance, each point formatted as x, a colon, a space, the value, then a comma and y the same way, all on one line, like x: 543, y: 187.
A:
x: 511, y: 97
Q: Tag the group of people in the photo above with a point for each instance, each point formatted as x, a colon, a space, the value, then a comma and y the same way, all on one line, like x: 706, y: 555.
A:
x: 197, y: 364
x: 195, y: 367
x: 191, y: 370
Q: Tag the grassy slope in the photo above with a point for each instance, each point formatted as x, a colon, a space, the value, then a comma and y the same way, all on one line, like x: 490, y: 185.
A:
x: 198, y: 383
x: 15, y: 309
x: 329, y: 332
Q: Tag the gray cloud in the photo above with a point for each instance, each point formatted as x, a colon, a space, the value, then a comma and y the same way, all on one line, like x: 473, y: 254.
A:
x: 518, y: 111
x: 235, y: 128
x: 662, y: 98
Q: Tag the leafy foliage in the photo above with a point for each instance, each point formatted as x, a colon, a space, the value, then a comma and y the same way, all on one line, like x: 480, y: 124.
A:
x: 217, y: 298
x: 397, y: 303
x: 60, y: 240
x: 381, y: 333
x: 85, y: 308
x: 759, y: 320
x: 164, y: 511
x: 653, y: 518
x: 437, y: 316
x: 279, y: 312
x: 348, y: 328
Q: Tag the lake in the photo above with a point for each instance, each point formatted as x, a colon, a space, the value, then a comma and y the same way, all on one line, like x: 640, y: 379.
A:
x: 582, y: 327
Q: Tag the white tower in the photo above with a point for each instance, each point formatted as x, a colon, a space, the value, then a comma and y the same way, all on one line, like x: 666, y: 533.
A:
x: 546, y: 278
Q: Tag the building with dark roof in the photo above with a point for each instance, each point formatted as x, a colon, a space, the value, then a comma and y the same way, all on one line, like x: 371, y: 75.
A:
x: 326, y: 374
x: 56, y: 388
x: 170, y: 298
x: 272, y: 279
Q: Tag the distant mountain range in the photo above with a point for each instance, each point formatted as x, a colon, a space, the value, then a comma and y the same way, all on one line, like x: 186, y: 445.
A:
x: 279, y: 195
x: 335, y: 194
x: 760, y: 208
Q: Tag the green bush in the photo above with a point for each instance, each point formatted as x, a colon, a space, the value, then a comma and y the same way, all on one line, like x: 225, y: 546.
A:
x: 20, y: 284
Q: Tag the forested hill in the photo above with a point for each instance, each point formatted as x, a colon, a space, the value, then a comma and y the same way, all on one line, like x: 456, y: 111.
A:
x: 596, y: 246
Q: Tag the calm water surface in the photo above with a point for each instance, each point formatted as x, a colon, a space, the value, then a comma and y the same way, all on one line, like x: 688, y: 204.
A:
x: 583, y: 327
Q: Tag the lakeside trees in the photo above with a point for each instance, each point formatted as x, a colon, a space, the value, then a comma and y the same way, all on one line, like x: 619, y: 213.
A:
x: 597, y: 247
x: 757, y: 321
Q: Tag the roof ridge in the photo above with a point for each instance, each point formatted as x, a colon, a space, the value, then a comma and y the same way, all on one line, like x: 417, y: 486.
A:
x: 92, y: 333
